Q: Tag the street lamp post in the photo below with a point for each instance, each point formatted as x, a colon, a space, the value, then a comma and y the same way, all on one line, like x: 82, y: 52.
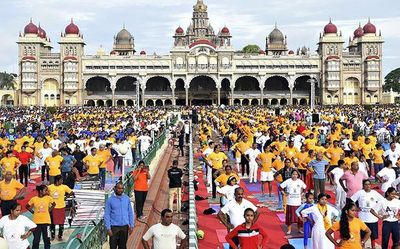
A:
x: 312, y: 94
x: 137, y: 96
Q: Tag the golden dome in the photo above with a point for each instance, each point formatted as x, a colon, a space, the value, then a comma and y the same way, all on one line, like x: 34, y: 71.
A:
x: 200, y: 6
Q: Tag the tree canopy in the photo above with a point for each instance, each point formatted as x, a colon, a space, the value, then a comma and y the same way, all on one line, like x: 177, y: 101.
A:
x: 7, y: 81
x: 251, y: 49
x: 392, y: 80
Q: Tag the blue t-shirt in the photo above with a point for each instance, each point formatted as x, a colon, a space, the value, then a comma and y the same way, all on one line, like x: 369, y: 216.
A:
x: 319, y: 168
x: 67, y: 164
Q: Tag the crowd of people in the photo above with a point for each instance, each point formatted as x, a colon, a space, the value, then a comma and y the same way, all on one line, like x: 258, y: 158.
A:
x: 304, y: 158
x: 52, y: 150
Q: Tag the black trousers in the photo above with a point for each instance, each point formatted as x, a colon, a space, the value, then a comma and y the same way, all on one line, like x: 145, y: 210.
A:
x: 41, y: 230
x: 245, y: 165
x: 60, y: 230
x: 45, y: 172
x: 6, y: 207
x: 23, y: 174
x: 181, y: 149
x: 387, y: 229
x: 119, y: 237
x: 133, y: 154
x: 140, y: 198
x: 214, y: 186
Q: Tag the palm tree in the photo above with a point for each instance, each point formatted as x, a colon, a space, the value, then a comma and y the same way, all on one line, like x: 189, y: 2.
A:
x: 7, y: 81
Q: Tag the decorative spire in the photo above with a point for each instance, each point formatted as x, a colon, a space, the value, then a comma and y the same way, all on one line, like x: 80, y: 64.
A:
x: 276, y: 25
x: 330, y: 20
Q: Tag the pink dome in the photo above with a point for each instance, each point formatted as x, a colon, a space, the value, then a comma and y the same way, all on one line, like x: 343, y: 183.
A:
x: 261, y: 51
x: 291, y: 52
x: 179, y: 30
x: 358, y: 32
x: 72, y: 29
x: 225, y: 30
x: 41, y: 32
x: 369, y: 28
x: 142, y: 52
x: 31, y: 28
x: 330, y: 28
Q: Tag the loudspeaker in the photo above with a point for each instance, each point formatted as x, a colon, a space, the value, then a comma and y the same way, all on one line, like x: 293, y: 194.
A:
x: 277, y: 111
x: 315, y: 118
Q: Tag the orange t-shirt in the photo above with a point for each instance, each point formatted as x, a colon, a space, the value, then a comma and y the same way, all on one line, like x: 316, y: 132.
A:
x: 141, y: 182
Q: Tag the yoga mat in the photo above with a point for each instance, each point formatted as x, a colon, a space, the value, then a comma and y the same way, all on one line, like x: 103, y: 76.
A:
x: 281, y: 217
x: 294, y: 235
x: 216, y: 207
x: 221, y: 233
x: 298, y: 243
x: 253, y: 187
x: 226, y: 246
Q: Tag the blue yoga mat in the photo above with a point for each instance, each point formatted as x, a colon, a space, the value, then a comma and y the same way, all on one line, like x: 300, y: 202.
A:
x: 298, y: 243
x: 253, y: 187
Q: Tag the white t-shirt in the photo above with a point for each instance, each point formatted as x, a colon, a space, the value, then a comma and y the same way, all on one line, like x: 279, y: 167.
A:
x: 337, y: 173
x: 236, y: 211
x: 362, y: 166
x: 45, y: 153
x: 145, y: 142
x: 345, y: 143
x: 366, y: 201
x: 294, y: 188
x: 392, y: 155
x: 164, y: 237
x: 13, y: 229
x: 252, y: 154
x: 228, y: 191
x: 298, y: 141
x: 396, y: 184
x: 387, y: 207
x: 207, y: 152
x: 55, y: 144
x: 389, y: 175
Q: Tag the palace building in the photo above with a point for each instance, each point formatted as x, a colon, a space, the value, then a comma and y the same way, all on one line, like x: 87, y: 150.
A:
x: 202, y: 68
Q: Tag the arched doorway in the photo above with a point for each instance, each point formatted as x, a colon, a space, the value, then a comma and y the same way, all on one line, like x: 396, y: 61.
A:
x: 245, y: 102
x: 352, y: 89
x: 90, y: 103
x: 283, y: 102
x: 129, y: 102
x: 247, y: 84
x: 168, y: 102
x: 149, y: 102
x: 158, y: 84
x: 98, y: 85
x: 108, y: 102
x: 126, y: 86
x: 303, y: 102
x: 236, y: 102
x: 159, y: 102
x: 120, y: 102
x: 7, y: 100
x: 265, y: 101
x: 180, y: 93
x: 202, y: 91
x: 225, y: 91
x: 274, y: 102
x: 51, y: 89
x: 295, y: 101
x: 302, y: 88
x: 100, y: 102
x: 277, y: 84
x: 254, y: 102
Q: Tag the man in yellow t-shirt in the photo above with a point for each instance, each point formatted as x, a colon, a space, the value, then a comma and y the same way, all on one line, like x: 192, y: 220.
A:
x: 105, y: 156
x: 377, y: 157
x: 93, y: 162
x: 334, y: 154
x: 10, y: 191
x: 9, y: 163
x: 53, y: 162
x: 242, y: 147
x: 265, y: 160
x: 58, y: 192
x: 214, y: 160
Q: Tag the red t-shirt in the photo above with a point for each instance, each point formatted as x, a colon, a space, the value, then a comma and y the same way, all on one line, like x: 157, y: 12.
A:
x: 24, y: 157
x: 248, y: 238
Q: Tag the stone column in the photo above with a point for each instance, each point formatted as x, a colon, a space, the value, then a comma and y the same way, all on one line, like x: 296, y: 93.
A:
x: 187, y: 93
x: 218, y: 85
x: 113, y: 85
x: 143, y: 97
x: 173, y: 86
x: 262, y: 85
x: 291, y: 95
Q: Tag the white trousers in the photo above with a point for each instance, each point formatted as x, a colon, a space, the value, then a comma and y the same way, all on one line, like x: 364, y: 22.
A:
x: 253, y: 171
x: 340, y: 197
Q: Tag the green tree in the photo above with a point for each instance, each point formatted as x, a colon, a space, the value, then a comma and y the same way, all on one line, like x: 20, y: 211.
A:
x: 7, y: 81
x: 392, y: 81
x: 251, y: 49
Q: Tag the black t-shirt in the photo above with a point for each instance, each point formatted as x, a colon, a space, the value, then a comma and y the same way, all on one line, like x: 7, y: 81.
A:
x: 175, y: 177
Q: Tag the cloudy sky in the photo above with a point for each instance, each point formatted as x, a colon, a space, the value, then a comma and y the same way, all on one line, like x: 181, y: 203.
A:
x: 152, y: 23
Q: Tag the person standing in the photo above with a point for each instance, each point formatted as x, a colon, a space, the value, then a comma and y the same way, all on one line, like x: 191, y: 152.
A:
x: 93, y: 162
x: 53, y: 163
x: 119, y: 218
x: 322, y: 214
x: 354, y: 180
x: 267, y: 176
x: 252, y: 154
x: 58, y: 191
x: 175, y: 186
x: 25, y: 158
x: 335, y: 175
x: 215, y: 161
x: 41, y: 206
x: 105, y: 156
x: 249, y: 233
x: 141, y: 176
x: 349, y: 228
x: 43, y: 154
x: 16, y: 228
x: 367, y: 199
x: 67, y: 165
x: 164, y: 234
x: 10, y: 191
x: 388, y: 211
x: 319, y: 165
x: 9, y: 163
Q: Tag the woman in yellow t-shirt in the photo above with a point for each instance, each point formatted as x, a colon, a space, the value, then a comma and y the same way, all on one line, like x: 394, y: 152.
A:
x: 349, y: 228
x: 41, y: 206
x: 58, y: 191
